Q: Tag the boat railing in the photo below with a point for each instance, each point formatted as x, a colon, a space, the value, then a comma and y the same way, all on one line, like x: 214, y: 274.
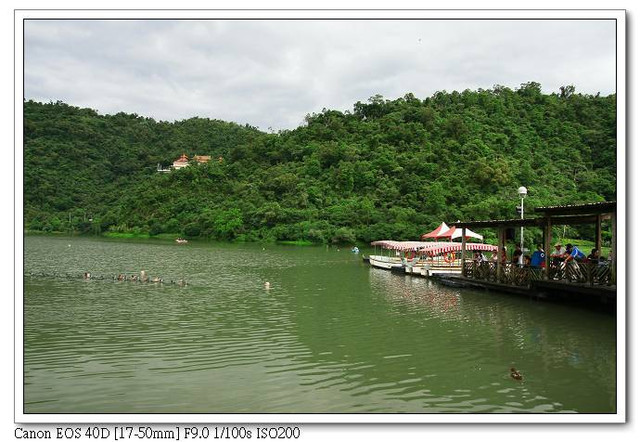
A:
x: 420, y: 260
x: 513, y: 274
x: 383, y: 258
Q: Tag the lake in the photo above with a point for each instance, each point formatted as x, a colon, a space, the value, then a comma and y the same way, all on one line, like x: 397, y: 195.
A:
x: 331, y: 335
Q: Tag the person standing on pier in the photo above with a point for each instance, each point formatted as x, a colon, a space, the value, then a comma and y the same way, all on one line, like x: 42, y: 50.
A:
x: 538, y: 257
x: 573, y: 253
x: 517, y: 253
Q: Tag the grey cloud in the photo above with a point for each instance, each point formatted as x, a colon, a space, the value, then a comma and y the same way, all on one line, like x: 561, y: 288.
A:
x: 272, y: 73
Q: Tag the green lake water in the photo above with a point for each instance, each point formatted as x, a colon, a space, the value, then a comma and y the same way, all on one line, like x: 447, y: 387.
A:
x: 331, y: 335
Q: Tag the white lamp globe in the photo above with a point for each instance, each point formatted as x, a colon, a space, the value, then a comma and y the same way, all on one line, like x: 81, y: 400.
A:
x: 522, y: 191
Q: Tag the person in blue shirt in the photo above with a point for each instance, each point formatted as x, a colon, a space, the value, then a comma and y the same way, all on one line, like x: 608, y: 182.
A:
x: 574, y: 254
x: 538, y: 258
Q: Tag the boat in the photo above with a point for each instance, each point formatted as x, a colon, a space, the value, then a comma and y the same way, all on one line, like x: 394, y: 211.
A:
x: 181, y: 241
x: 398, y: 251
x: 424, y: 258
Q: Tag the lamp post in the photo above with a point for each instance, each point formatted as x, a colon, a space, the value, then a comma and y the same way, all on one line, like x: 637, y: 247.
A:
x: 522, y: 191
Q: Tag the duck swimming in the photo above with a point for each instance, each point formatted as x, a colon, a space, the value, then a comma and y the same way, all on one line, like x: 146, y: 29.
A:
x: 515, y: 374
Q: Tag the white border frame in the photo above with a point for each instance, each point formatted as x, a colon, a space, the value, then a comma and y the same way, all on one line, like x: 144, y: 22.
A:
x: 618, y: 15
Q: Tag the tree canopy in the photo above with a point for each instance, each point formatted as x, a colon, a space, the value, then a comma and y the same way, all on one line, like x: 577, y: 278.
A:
x: 386, y: 169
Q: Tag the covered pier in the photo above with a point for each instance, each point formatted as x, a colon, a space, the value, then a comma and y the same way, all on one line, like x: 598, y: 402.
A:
x: 584, y: 279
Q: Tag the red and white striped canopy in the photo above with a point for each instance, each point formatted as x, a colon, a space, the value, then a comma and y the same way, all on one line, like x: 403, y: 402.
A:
x: 401, y: 245
x: 437, y: 233
x: 446, y: 247
x: 433, y: 248
x: 456, y: 232
x: 450, y: 232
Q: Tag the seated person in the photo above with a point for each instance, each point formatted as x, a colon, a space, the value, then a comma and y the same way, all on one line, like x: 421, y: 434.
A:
x: 594, y: 256
x: 557, y: 255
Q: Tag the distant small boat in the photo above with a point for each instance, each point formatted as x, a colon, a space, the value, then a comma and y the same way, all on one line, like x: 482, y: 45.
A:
x: 355, y: 250
x: 181, y: 241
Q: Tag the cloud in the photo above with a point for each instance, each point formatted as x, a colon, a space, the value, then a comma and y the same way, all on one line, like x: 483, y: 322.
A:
x: 271, y: 73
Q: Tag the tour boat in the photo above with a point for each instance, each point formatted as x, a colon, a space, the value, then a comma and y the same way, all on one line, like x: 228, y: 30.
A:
x: 424, y: 258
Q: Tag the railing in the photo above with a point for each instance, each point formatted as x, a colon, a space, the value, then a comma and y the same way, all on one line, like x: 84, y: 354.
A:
x: 586, y: 273
x: 513, y: 274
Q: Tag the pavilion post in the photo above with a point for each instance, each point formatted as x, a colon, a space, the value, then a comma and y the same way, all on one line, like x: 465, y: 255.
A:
x: 500, y: 246
x: 614, y: 252
x: 599, y: 233
x: 464, y: 248
x: 548, y: 237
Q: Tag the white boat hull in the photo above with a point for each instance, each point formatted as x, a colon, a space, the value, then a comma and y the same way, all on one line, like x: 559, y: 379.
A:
x: 384, y: 262
x: 421, y: 268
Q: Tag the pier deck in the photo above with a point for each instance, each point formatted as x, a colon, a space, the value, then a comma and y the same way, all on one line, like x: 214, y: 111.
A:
x: 573, y: 292
x: 527, y: 282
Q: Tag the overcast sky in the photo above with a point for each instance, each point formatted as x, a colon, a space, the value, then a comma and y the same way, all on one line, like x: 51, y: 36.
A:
x: 271, y: 74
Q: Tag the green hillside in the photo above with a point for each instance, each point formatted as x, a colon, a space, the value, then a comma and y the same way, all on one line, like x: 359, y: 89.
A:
x: 386, y: 169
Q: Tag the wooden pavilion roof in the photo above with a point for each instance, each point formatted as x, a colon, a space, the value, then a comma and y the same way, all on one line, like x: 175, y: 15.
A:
x: 579, y: 209
x: 514, y: 222
x: 570, y: 214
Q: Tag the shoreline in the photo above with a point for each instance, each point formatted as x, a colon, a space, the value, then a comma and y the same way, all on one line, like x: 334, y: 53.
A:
x: 171, y: 237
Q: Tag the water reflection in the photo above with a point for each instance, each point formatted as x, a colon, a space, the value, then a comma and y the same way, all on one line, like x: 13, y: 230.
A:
x: 549, y: 342
x: 417, y: 294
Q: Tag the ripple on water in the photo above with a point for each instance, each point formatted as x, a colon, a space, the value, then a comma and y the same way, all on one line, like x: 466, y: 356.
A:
x: 330, y: 336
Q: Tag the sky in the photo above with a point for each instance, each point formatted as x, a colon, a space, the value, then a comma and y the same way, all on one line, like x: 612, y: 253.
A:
x: 272, y: 73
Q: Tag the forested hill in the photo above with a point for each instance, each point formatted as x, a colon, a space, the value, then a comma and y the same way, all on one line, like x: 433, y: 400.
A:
x: 386, y: 169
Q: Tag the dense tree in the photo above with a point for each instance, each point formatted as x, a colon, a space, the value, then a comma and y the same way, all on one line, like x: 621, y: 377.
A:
x: 389, y: 169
